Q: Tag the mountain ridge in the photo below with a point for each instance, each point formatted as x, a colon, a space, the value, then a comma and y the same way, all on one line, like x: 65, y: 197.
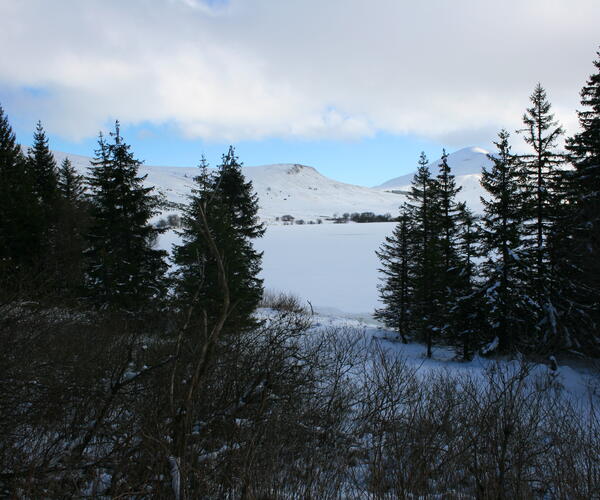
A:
x: 304, y: 193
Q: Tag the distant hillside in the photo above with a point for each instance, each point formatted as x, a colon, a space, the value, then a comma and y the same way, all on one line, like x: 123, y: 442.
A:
x: 302, y: 192
x: 286, y: 189
x: 466, y: 165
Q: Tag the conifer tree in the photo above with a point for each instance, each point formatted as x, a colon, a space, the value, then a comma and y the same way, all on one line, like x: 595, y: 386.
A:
x: 542, y: 186
x: 422, y: 205
x: 448, y: 211
x: 396, y: 289
x: 224, y: 204
x: 71, y: 228
x: 503, y: 268
x: 43, y: 168
x: 21, y: 227
x: 446, y: 215
x: 70, y: 183
x: 124, y: 271
x: 465, y: 299
x: 191, y: 256
x: 583, y: 253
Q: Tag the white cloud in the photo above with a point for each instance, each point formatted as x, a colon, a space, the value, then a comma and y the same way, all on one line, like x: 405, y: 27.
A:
x: 297, y: 68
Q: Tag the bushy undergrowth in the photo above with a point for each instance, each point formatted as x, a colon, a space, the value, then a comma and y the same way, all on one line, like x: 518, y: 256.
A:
x: 283, y: 411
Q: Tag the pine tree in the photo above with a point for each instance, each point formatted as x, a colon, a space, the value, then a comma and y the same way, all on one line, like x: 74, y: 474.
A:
x: 70, y: 184
x: 445, y: 215
x: 582, y: 254
x: 43, y: 168
x: 191, y: 256
x: 543, y: 198
x: 124, y: 271
x: 503, y: 268
x: 448, y: 210
x: 21, y: 224
x: 71, y: 228
x: 465, y: 299
x: 395, y: 291
x: 224, y: 204
x: 421, y: 207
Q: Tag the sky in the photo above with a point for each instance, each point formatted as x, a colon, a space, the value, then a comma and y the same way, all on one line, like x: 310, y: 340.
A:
x: 355, y: 88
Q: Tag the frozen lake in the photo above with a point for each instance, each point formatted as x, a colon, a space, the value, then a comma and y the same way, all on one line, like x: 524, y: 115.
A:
x: 332, y: 265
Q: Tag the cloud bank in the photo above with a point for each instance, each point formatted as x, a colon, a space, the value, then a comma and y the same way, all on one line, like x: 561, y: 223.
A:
x: 309, y: 69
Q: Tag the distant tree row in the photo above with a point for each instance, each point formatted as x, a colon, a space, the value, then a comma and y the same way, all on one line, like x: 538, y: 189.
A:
x: 362, y: 217
x: 525, y: 276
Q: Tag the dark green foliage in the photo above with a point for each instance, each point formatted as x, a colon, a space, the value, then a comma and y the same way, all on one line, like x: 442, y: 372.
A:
x: 542, y: 203
x: 445, y: 217
x: 396, y: 255
x: 43, y: 168
x: 21, y: 221
x: 503, y: 223
x: 72, y: 225
x: 70, y: 183
x: 423, y: 275
x: 124, y: 271
x: 224, y: 204
x: 422, y: 206
x: 465, y: 316
x: 447, y: 213
x: 583, y: 251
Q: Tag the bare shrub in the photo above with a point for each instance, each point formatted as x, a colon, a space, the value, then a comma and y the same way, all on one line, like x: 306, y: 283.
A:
x: 284, y: 410
x: 282, y: 302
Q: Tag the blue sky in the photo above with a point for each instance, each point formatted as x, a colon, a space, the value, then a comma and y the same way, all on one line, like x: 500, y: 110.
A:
x: 356, y: 89
x: 368, y: 161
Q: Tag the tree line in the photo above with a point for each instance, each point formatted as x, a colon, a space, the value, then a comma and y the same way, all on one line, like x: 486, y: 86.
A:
x: 525, y: 274
x: 88, y: 240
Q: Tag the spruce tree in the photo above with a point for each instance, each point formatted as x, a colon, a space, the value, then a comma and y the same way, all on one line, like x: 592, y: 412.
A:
x: 70, y: 184
x: 124, y: 272
x: 583, y: 252
x: 503, y: 235
x: 446, y: 215
x: 43, y: 168
x: 224, y: 204
x: 21, y: 225
x: 71, y: 228
x: 448, y: 211
x: 396, y: 289
x: 422, y: 205
x: 191, y: 257
x: 542, y: 176
x: 465, y: 317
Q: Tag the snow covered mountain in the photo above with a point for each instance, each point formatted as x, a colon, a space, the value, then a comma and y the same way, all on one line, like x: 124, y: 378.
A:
x: 466, y: 165
x: 287, y: 189
x: 302, y: 192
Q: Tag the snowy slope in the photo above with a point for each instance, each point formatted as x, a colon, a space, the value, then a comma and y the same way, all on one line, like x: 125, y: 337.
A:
x: 466, y: 165
x: 296, y: 190
x: 304, y: 193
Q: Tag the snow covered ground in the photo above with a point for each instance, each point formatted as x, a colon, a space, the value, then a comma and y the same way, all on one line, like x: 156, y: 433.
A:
x: 580, y: 381
x: 332, y: 265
